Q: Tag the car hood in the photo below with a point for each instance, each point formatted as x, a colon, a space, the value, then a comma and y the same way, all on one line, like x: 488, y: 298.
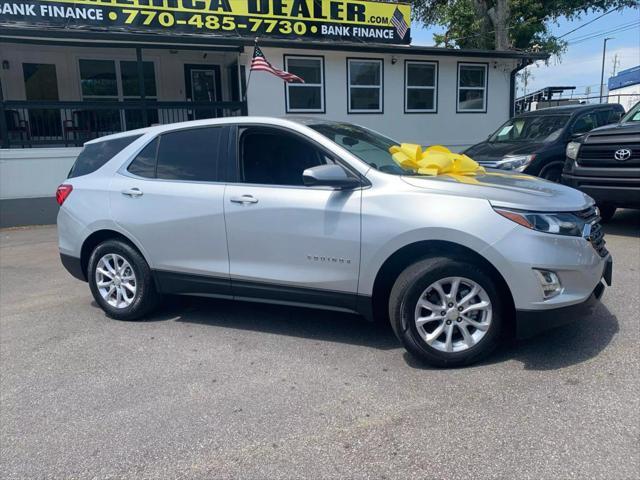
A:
x: 507, y: 190
x: 627, y: 127
x: 494, y: 151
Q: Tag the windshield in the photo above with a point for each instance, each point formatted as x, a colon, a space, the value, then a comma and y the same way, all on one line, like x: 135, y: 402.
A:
x: 545, y: 128
x: 369, y: 146
x: 632, y: 115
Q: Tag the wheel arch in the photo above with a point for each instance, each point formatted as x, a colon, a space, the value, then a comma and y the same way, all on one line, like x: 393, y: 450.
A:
x: 96, y: 238
x: 409, y: 254
x: 551, y: 165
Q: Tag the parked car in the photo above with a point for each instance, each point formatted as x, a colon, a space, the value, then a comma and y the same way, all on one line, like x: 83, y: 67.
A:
x: 605, y: 163
x: 316, y: 213
x: 535, y: 142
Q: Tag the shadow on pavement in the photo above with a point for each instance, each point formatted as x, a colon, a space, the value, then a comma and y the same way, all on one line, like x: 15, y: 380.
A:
x: 279, y: 320
x: 559, y: 348
x: 568, y: 345
x: 624, y: 223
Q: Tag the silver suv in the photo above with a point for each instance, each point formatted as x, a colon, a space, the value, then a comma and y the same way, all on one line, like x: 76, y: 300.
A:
x: 316, y: 213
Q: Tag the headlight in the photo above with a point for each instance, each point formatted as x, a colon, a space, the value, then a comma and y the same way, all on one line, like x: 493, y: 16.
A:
x: 572, y: 150
x: 515, y: 162
x: 558, y: 223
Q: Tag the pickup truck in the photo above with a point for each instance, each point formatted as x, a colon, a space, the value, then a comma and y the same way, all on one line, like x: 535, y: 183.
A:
x: 605, y: 164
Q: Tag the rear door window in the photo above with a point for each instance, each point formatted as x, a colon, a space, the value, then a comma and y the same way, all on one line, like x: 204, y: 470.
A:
x: 191, y: 154
x: 95, y: 155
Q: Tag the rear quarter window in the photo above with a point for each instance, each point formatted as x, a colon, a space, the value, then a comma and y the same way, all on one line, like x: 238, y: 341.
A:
x: 95, y: 155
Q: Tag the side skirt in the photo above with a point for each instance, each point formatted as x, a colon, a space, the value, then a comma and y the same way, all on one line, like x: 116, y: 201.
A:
x: 203, y: 285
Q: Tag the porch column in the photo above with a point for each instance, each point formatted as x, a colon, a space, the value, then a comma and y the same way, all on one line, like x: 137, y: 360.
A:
x: 141, y: 86
x: 4, y: 131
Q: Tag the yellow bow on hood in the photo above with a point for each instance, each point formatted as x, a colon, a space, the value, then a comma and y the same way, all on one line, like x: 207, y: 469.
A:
x: 434, y: 160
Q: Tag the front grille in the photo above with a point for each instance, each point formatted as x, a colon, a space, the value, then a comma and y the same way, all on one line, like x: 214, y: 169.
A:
x: 596, y: 238
x: 602, y: 155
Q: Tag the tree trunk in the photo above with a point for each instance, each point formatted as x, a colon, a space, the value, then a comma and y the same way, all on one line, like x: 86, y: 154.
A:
x: 484, y: 38
x: 499, y: 15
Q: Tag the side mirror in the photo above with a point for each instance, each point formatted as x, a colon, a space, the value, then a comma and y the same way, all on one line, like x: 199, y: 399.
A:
x: 329, y: 176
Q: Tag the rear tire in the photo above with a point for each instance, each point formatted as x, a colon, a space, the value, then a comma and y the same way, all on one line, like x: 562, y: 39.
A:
x: 607, y: 212
x: 452, y: 334
x: 121, y: 281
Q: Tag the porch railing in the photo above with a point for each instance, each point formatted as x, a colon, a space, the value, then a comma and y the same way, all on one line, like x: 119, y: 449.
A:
x: 41, y: 124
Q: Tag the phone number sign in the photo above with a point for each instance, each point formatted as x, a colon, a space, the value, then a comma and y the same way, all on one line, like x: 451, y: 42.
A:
x: 349, y: 20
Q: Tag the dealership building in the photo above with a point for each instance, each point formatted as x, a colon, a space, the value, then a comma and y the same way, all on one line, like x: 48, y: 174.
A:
x: 74, y: 70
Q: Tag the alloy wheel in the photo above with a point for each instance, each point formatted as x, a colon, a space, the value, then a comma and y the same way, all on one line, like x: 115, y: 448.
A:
x: 116, y: 280
x: 453, y: 314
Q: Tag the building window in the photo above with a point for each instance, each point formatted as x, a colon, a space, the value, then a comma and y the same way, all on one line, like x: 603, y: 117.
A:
x: 420, y: 81
x: 364, y: 79
x: 307, y: 97
x: 116, y: 80
x: 98, y: 79
x: 472, y: 87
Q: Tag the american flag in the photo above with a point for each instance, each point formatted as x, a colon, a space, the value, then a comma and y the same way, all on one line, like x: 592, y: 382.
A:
x: 398, y: 21
x: 260, y: 63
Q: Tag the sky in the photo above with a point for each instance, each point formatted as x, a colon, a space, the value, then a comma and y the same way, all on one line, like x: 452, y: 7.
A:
x: 581, y: 64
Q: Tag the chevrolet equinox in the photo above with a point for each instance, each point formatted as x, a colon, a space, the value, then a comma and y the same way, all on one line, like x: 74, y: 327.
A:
x: 317, y: 213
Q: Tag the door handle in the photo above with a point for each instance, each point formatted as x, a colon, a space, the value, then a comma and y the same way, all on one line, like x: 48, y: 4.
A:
x: 244, y: 199
x: 132, y: 192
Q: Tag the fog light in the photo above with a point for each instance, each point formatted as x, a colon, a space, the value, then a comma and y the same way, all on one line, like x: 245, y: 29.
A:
x: 550, y: 283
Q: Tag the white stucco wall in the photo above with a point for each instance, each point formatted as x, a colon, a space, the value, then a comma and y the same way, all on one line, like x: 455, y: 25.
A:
x: 34, y: 172
x: 626, y: 96
x: 266, y: 96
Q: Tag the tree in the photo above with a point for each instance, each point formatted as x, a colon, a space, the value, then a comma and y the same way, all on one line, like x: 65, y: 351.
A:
x: 505, y: 24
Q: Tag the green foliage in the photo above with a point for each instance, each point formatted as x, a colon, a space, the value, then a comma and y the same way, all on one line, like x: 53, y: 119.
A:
x: 525, y: 23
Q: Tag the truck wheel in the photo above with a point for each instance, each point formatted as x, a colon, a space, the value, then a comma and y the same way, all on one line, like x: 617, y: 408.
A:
x: 446, y: 312
x: 121, y: 282
x: 606, y: 212
x: 553, y: 173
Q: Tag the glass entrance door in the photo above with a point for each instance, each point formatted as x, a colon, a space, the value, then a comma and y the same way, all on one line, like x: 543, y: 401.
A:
x: 203, y: 86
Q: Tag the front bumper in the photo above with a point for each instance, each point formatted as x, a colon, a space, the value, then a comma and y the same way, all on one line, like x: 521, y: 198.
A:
x: 532, y: 322
x: 610, y: 190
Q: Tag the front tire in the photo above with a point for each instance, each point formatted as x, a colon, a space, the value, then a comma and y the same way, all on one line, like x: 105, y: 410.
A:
x: 447, y: 312
x: 553, y: 173
x: 607, y: 212
x: 121, y: 282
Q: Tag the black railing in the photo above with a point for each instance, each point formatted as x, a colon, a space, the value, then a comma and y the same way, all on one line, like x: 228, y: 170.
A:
x: 32, y: 124
x: 523, y: 104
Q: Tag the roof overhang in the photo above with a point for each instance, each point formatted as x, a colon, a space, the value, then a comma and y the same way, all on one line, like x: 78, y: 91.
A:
x: 84, y: 37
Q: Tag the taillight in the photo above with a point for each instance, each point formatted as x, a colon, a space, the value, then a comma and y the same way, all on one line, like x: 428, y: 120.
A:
x: 63, y: 192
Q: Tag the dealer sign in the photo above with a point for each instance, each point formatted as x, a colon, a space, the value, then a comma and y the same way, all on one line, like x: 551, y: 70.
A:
x: 348, y: 20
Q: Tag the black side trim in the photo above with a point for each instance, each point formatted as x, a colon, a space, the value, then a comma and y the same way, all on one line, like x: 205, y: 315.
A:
x: 73, y: 266
x: 364, y: 306
x: 191, y: 284
x: 532, y: 322
x: 295, y: 295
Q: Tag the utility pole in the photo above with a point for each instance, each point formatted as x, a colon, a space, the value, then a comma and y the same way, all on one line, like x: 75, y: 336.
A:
x: 616, y: 64
x: 604, y: 54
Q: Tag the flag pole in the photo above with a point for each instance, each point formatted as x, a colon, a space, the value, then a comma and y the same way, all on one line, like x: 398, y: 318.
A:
x: 246, y: 88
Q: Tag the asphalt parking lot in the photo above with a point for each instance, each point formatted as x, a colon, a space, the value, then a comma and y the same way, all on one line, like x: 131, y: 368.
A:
x: 211, y: 388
